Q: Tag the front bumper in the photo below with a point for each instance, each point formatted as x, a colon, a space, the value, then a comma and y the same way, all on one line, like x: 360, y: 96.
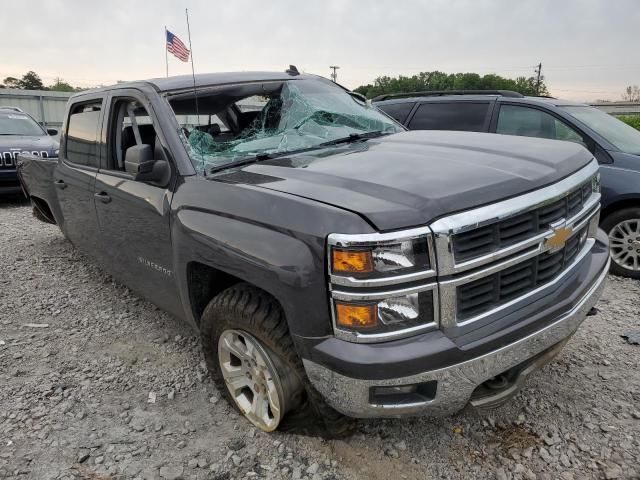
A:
x: 451, y: 388
x: 9, y: 184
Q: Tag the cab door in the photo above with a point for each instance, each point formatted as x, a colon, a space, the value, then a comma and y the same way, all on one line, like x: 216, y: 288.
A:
x: 75, y: 173
x: 134, y: 216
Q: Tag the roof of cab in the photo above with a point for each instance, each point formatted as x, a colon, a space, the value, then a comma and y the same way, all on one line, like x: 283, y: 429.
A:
x: 184, y: 82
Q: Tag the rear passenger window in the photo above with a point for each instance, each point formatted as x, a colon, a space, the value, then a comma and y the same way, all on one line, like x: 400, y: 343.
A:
x: 531, y: 122
x: 464, y: 116
x: 398, y: 111
x: 82, y: 133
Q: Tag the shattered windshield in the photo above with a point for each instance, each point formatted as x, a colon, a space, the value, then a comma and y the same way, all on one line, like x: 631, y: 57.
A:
x: 258, y: 120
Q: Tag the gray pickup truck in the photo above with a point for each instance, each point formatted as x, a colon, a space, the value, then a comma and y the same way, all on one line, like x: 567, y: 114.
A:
x: 335, y: 264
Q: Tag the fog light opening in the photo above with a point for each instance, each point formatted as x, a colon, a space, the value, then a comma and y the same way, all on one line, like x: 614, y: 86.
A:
x: 400, y: 395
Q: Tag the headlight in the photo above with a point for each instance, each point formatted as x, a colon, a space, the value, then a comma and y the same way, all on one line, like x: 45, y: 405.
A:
x: 377, y: 304
x: 374, y: 316
x: 380, y: 256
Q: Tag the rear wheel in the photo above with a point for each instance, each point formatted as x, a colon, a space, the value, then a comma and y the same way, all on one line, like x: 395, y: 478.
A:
x: 623, y: 229
x: 253, y: 362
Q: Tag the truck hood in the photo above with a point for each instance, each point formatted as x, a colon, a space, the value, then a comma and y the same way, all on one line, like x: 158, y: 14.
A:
x: 19, y: 143
x: 412, y: 178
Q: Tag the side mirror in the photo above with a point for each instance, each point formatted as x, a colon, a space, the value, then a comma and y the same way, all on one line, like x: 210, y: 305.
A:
x: 52, y: 131
x: 139, y: 162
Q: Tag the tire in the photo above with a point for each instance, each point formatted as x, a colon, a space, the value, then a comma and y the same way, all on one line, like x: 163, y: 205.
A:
x: 622, y: 226
x: 245, y: 311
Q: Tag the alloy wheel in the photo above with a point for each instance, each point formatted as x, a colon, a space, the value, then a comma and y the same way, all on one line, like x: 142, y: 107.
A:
x: 624, y: 241
x: 251, y: 378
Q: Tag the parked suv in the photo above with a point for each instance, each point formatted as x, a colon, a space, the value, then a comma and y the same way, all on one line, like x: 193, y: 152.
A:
x: 19, y: 132
x: 614, y: 144
x: 331, y: 261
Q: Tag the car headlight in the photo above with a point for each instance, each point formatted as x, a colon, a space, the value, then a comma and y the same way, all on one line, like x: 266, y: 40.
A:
x: 358, y: 257
x: 374, y: 316
x: 376, y: 269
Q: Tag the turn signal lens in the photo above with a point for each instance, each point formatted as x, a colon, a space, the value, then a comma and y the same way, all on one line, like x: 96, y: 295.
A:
x: 356, y: 316
x: 356, y: 261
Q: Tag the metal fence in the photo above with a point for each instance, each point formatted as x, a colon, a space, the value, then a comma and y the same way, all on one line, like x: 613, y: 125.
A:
x: 45, y: 106
x: 619, y: 108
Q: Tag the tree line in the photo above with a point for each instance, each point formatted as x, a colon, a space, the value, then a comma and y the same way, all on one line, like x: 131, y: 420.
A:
x: 430, y: 81
x: 32, y: 81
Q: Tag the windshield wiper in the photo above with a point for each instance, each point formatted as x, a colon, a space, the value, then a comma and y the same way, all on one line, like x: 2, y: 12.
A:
x: 354, y: 137
x: 242, y: 161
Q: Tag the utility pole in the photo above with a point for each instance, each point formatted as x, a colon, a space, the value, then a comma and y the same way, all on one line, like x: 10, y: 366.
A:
x: 334, y: 75
x: 538, y: 72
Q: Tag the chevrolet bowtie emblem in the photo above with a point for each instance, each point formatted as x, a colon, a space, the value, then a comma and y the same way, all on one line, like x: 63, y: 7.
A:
x: 559, y: 238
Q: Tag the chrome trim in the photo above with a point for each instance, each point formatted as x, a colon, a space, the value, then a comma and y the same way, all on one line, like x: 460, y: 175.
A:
x: 354, y: 240
x: 378, y: 239
x: 382, y: 281
x: 448, y: 292
x: 444, y: 228
x: 358, y: 337
x: 456, y: 383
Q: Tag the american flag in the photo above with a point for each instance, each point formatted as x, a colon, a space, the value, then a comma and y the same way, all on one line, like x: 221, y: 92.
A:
x: 176, y: 47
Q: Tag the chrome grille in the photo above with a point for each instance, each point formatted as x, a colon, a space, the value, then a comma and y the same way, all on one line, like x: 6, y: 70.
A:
x: 479, y: 296
x: 490, y: 238
x: 501, y: 253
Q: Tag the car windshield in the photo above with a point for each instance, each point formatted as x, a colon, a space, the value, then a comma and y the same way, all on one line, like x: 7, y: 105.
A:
x: 242, y: 122
x: 619, y: 134
x: 19, y: 124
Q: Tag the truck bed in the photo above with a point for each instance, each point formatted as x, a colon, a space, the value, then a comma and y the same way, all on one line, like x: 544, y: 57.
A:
x: 36, y: 177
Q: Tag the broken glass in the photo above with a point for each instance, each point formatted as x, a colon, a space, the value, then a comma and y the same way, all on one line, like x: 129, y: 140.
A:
x: 298, y: 115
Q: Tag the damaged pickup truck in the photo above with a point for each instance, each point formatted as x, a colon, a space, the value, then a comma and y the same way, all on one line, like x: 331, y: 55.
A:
x: 334, y: 264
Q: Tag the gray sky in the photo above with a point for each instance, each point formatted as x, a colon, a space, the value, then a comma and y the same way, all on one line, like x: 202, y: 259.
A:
x: 588, y: 48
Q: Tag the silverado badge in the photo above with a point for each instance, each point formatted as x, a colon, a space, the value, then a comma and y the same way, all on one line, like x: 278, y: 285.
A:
x: 559, y: 237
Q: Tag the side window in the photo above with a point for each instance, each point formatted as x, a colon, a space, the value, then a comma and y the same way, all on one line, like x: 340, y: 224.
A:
x: 82, y: 133
x: 398, y: 111
x: 130, y: 125
x: 464, y: 116
x: 531, y: 122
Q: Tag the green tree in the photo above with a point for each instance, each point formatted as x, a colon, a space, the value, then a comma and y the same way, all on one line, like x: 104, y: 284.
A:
x: 31, y: 81
x: 61, y: 86
x: 633, y: 120
x: 12, y: 82
x: 429, y: 81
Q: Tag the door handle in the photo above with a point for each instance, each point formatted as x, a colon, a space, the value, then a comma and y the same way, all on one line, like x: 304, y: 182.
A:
x: 103, y: 197
x: 60, y: 184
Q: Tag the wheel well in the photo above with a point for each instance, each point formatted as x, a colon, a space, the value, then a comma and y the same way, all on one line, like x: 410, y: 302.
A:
x: 206, y: 282
x: 619, y: 205
x: 43, y: 207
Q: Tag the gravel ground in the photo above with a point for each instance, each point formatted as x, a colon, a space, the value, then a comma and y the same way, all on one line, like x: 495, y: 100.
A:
x: 112, y: 387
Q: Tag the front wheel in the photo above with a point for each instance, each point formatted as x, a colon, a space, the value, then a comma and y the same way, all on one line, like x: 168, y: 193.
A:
x: 253, y: 362
x: 623, y: 229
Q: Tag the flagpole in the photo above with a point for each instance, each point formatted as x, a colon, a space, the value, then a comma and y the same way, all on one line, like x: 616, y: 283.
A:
x: 166, y: 55
x: 193, y: 72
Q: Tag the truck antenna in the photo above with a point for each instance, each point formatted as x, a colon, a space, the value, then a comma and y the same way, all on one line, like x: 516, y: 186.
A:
x: 193, y: 75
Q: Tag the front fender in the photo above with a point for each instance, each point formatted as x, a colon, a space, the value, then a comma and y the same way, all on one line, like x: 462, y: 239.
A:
x: 272, y: 240
x: 619, y: 182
